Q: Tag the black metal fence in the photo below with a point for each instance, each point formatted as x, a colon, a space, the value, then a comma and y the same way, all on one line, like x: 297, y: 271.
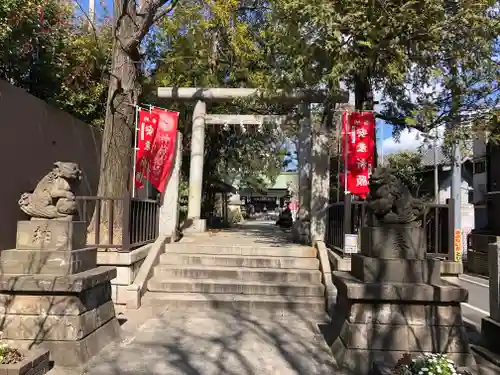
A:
x: 350, y: 216
x: 128, y: 223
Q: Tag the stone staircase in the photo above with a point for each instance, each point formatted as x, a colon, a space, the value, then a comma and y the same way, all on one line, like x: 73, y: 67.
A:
x: 250, y: 277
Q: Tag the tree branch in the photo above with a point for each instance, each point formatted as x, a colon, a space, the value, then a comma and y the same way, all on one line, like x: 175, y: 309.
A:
x: 160, y: 13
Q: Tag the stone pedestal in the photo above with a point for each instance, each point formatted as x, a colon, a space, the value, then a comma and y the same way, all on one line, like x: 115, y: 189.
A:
x: 394, y: 302
x: 53, y: 296
x: 490, y: 326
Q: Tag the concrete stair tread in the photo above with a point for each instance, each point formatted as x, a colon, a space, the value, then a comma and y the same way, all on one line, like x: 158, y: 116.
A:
x: 239, y: 282
x: 223, y: 268
x: 219, y: 249
x: 234, y: 256
x: 245, y: 261
x: 232, y: 297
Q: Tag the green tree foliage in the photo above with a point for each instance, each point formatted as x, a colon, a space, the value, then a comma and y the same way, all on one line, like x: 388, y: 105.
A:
x: 408, y: 167
x: 54, y: 55
x: 405, y: 50
x: 213, y: 43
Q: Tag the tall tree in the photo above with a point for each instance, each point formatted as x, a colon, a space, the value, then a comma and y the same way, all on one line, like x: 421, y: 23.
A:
x: 408, y: 167
x: 399, y: 48
x: 132, y: 22
x: 48, y: 50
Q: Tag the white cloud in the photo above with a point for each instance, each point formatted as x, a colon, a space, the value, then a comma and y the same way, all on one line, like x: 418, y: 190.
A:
x: 408, y: 141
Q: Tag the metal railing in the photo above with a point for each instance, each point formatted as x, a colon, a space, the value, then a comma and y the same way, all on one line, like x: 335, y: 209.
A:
x: 350, y: 216
x: 137, y: 226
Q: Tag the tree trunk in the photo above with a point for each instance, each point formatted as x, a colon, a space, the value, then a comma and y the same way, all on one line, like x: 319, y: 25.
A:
x: 117, y: 140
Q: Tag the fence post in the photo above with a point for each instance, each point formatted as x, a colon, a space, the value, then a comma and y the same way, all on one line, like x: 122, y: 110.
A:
x: 127, y: 200
x: 451, y: 230
x: 347, y: 229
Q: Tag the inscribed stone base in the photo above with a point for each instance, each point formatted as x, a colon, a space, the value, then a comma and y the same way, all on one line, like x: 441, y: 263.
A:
x: 73, y: 316
x: 394, y: 242
x: 51, y: 235
x: 375, y: 270
x: 381, y: 322
x: 47, y: 262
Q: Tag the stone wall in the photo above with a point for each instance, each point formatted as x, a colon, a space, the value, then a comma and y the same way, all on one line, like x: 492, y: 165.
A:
x: 127, y: 266
x: 33, y: 135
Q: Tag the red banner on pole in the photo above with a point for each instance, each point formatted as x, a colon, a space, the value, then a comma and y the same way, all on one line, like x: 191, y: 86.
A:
x: 358, y: 151
x: 148, y: 124
x: 163, y: 148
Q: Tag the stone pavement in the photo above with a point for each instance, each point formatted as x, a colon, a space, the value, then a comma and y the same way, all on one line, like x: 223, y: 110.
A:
x: 215, y: 342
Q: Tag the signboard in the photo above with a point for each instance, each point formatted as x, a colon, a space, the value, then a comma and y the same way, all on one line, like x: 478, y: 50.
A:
x: 351, y: 243
x: 458, y: 245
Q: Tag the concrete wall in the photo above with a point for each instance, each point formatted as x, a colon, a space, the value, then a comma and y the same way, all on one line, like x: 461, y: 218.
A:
x: 33, y: 135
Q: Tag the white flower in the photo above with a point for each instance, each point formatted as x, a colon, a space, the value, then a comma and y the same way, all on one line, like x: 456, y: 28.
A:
x: 420, y: 373
x: 425, y: 369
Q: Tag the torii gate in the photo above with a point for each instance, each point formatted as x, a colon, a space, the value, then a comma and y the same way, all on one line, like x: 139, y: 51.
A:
x: 306, y: 159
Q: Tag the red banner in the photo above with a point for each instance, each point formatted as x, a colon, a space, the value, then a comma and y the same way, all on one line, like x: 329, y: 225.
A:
x: 163, y: 148
x: 148, y: 123
x: 359, y: 142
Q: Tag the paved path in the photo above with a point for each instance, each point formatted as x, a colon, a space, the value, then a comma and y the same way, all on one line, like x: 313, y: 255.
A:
x: 213, y: 343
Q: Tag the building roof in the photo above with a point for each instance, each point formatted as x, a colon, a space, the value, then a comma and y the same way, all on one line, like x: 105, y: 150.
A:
x: 442, y: 158
x: 284, y: 179
x: 428, y: 156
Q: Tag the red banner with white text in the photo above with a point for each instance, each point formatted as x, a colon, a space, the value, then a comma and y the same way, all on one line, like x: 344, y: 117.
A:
x: 163, y: 148
x: 148, y: 123
x: 358, y: 150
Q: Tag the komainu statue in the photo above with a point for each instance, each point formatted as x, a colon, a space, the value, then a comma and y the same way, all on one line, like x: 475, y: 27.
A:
x: 391, y: 202
x: 53, y: 197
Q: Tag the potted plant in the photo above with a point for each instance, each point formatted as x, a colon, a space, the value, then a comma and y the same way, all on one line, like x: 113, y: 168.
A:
x: 19, y: 362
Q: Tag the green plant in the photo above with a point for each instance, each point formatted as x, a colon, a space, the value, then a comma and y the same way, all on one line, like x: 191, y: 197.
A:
x: 427, y: 364
x: 4, y: 349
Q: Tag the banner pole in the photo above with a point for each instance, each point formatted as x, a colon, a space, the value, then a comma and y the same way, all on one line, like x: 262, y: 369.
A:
x: 346, y: 149
x: 339, y: 152
x: 134, y: 168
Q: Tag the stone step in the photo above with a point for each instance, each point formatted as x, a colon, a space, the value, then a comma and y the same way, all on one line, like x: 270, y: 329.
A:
x: 310, y: 307
x: 238, y: 288
x: 164, y: 272
x: 240, y: 261
x: 295, y: 251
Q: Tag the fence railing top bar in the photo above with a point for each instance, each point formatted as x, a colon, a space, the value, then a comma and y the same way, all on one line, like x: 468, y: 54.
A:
x: 437, y: 205
x: 97, y: 198
x: 146, y: 200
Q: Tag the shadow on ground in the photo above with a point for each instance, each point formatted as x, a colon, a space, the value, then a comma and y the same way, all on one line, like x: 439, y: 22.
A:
x: 215, y: 342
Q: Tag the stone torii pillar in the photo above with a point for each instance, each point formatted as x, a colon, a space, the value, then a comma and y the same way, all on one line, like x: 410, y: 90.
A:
x: 196, y: 168
x: 204, y: 95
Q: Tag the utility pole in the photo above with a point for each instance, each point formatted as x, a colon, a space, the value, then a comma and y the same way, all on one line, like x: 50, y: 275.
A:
x: 91, y: 12
x: 456, y: 155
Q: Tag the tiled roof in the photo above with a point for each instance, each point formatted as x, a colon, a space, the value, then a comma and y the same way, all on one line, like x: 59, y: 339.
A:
x: 428, y: 156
